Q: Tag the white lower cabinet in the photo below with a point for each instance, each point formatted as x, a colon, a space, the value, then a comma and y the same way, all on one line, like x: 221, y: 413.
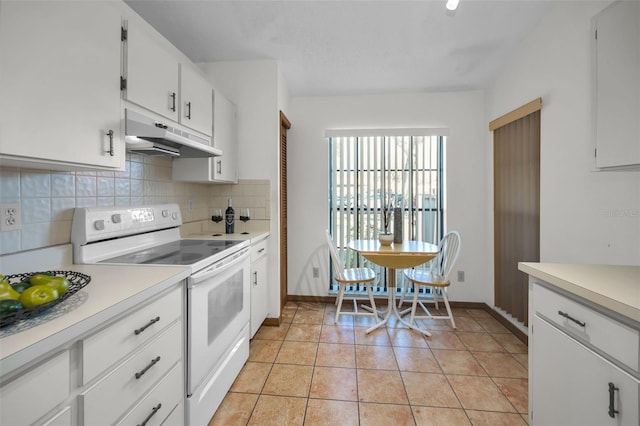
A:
x: 130, y: 371
x: 259, y: 285
x: 36, y: 392
x: 576, y: 386
x: 577, y: 375
x: 128, y: 382
x: 159, y: 402
x: 61, y: 418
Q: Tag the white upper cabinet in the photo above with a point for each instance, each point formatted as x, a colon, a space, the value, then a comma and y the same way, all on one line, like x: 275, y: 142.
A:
x: 616, y: 86
x: 152, y: 72
x: 225, y: 137
x: 158, y: 80
x: 60, y: 103
x: 196, y: 100
x: 222, y: 169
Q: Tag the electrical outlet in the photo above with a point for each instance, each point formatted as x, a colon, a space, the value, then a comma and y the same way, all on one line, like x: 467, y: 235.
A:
x: 460, y: 276
x: 316, y: 272
x: 10, y: 217
x: 189, y: 205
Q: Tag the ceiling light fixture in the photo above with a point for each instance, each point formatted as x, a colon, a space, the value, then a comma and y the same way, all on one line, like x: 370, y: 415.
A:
x: 452, y: 4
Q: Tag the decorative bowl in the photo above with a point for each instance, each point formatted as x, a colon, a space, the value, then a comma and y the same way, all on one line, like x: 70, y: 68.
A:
x: 76, y: 282
x: 385, y: 238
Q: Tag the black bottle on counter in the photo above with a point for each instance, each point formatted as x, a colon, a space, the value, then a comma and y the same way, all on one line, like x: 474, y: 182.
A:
x: 229, y: 219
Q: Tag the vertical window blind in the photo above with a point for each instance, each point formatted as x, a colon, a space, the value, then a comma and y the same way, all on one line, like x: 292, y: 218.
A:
x: 370, y: 169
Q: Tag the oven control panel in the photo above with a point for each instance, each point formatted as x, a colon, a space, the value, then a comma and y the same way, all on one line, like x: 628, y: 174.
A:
x: 101, y: 223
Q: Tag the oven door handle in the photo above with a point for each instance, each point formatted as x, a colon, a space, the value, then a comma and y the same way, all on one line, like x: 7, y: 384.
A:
x: 218, y: 267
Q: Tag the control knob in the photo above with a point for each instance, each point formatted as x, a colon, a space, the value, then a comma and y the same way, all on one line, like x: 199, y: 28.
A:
x: 116, y: 218
x: 99, y: 225
x: 165, y: 213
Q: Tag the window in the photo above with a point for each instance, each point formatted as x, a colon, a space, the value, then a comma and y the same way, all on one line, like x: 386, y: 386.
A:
x: 403, y: 166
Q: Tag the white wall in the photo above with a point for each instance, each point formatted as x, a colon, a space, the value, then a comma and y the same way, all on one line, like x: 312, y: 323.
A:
x: 466, y: 174
x: 257, y: 89
x: 586, y: 216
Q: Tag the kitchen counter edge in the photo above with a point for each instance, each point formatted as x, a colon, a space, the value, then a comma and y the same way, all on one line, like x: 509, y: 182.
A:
x: 613, y: 287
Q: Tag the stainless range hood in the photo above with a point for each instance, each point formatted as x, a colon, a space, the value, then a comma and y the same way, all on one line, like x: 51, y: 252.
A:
x: 144, y: 135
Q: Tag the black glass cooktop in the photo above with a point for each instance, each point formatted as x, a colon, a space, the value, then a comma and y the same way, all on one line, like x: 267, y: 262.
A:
x: 180, y: 252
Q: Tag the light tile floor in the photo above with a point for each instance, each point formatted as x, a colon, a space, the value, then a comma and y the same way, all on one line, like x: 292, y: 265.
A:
x: 309, y: 371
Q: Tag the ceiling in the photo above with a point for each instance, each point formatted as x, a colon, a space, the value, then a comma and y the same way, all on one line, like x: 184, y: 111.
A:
x: 332, y: 47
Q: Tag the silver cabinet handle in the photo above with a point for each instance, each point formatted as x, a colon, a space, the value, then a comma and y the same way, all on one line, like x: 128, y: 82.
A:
x: 110, y: 151
x: 570, y: 318
x: 188, y: 115
x: 173, y: 101
x: 255, y: 278
x: 219, y: 165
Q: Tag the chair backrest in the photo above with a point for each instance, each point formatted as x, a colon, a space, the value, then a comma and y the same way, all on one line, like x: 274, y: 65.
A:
x: 448, y: 250
x: 338, y: 267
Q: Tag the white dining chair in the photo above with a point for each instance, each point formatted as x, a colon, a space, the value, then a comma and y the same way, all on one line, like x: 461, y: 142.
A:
x: 435, y: 276
x: 345, y: 277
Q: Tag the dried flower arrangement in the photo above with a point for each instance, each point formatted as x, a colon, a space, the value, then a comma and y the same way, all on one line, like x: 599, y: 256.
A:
x: 387, y: 209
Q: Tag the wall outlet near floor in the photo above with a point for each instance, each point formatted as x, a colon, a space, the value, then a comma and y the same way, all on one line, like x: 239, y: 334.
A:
x: 316, y: 272
x: 10, y: 217
x: 189, y: 205
x: 460, y: 276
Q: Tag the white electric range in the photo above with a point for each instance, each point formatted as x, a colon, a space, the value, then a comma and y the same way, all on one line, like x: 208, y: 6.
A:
x: 217, y: 309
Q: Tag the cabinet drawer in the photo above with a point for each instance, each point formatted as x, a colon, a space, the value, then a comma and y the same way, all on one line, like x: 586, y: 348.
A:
x: 62, y: 418
x: 600, y: 331
x: 163, y: 399
x: 108, y: 346
x: 108, y: 399
x: 48, y: 384
x: 258, y: 250
x: 176, y: 418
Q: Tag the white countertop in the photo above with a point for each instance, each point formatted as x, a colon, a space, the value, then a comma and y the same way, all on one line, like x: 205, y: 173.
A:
x: 113, y: 289
x: 614, y: 287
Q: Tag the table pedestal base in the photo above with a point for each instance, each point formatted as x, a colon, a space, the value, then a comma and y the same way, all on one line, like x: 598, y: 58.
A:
x: 392, y: 308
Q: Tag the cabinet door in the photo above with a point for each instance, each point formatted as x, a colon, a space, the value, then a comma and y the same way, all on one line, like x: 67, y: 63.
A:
x: 225, y: 137
x: 196, y: 105
x: 59, y: 80
x: 259, y: 283
x: 152, y: 72
x: 617, y: 85
x: 570, y: 383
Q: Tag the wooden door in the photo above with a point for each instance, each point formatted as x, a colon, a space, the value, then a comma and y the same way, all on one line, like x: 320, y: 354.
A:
x: 285, y: 124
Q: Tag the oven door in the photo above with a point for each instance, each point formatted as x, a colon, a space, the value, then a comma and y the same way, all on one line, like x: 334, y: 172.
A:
x: 218, y: 309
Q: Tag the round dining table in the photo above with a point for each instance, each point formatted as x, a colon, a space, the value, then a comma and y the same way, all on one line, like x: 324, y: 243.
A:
x: 407, y: 254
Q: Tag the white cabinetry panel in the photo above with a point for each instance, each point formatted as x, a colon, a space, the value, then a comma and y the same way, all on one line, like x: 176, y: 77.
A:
x: 225, y: 137
x: 617, y: 85
x: 33, y: 394
x: 152, y: 72
x: 259, y: 285
x: 59, y: 82
x: 571, y: 383
x: 196, y: 100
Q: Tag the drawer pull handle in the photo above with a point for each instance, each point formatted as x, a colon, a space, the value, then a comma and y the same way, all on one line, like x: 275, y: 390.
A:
x: 261, y: 250
x: 173, y: 101
x: 612, y: 390
x: 153, y: 411
x: 567, y: 316
x: 144, y: 327
x: 151, y: 364
x: 255, y: 278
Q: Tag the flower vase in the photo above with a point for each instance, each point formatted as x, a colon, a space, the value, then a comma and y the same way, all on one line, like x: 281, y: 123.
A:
x: 385, y: 238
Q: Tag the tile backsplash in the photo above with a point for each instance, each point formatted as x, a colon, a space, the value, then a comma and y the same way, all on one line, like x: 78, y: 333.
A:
x: 47, y: 198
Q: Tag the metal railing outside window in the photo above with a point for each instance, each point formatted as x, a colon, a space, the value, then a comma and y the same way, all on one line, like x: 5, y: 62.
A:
x: 368, y: 171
